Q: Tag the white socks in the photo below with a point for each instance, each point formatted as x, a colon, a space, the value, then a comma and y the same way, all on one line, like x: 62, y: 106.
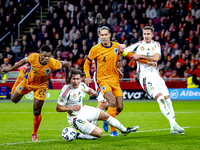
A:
x: 115, y: 123
x: 164, y: 109
x: 85, y: 136
x: 170, y: 107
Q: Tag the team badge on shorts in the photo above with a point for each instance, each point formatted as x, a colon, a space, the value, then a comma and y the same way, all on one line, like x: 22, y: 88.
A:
x: 116, y: 50
x: 74, y: 96
x: 152, y: 88
x: 20, y: 88
x: 142, y: 48
x: 153, y: 48
x: 103, y: 88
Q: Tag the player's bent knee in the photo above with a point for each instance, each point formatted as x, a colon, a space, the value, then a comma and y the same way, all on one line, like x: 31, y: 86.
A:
x: 97, y: 132
x: 119, y: 108
x: 36, y: 113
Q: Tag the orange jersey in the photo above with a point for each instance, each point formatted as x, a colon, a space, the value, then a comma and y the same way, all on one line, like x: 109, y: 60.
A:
x: 105, y: 61
x: 39, y: 75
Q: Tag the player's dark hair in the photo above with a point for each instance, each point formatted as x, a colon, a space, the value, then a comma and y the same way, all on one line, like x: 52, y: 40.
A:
x: 104, y: 28
x: 148, y: 28
x: 45, y: 48
x: 74, y: 72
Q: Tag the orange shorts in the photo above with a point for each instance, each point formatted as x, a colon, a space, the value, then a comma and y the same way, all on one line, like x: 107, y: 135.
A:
x: 39, y: 92
x: 114, y: 87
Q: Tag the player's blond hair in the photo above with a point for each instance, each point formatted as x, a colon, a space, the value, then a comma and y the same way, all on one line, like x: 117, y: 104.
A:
x: 148, y: 28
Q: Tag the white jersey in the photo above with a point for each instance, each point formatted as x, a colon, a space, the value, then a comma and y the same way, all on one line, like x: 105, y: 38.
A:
x: 148, y: 49
x: 70, y: 97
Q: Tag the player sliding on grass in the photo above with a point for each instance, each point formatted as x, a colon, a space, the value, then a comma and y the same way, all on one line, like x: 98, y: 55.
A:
x: 37, y: 80
x: 149, y: 78
x: 79, y: 116
x: 106, y: 56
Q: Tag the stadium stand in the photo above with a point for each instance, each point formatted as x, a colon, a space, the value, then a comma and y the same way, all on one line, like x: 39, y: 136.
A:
x: 71, y: 28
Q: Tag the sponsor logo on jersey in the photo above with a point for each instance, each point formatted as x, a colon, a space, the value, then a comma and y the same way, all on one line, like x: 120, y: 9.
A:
x: 152, y: 88
x: 20, y: 88
x: 79, y: 93
x: 142, y: 48
x: 116, y: 50
x: 153, y: 48
x: 61, y: 100
x: 103, y: 88
x: 47, y: 71
x: 74, y: 96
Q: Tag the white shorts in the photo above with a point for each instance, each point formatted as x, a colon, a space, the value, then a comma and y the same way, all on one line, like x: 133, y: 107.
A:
x: 152, y: 86
x: 82, y: 122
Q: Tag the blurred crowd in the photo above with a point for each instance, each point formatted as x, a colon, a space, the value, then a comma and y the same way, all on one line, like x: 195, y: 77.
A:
x: 71, y: 30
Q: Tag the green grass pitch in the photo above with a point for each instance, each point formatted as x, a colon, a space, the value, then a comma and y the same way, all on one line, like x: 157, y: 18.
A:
x: 153, y: 134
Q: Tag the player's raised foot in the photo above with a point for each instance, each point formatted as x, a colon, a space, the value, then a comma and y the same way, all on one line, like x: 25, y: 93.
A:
x: 105, y: 126
x: 178, y: 128
x: 114, y: 133
x: 129, y: 130
x: 34, y: 137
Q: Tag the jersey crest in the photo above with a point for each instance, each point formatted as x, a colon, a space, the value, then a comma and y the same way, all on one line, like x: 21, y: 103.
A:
x: 142, y: 48
x: 116, y: 50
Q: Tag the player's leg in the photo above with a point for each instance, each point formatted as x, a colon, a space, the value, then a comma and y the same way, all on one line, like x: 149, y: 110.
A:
x: 150, y: 85
x: 19, y: 78
x: 20, y: 90
x: 111, y: 110
x: 37, y: 106
x: 163, y: 88
x: 115, y: 123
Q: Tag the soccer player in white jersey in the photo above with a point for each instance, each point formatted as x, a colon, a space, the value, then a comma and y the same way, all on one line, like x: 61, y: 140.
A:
x: 149, y: 78
x: 79, y: 116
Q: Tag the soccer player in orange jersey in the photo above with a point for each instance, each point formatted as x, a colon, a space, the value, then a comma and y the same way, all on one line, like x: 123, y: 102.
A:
x: 106, y: 56
x: 36, y: 79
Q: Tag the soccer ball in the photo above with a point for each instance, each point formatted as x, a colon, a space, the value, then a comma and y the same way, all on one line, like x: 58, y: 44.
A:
x: 68, y: 134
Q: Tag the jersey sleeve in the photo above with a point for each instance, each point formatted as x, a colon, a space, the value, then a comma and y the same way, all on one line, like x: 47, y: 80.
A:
x: 93, y: 54
x: 157, y: 48
x: 63, y: 96
x: 133, y: 47
x: 85, y: 87
x: 31, y: 57
x: 55, y: 64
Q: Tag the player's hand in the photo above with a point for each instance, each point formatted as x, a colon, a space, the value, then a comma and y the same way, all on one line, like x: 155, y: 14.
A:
x: 121, y: 75
x: 121, y: 48
x: 152, y: 63
x: 93, y: 93
x: 136, y: 57
x: 76, y: 107
x: 88, y: 80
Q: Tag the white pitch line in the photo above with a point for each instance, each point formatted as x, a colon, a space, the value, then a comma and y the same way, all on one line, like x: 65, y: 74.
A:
x: 103, y: 135
x: 121, y: 112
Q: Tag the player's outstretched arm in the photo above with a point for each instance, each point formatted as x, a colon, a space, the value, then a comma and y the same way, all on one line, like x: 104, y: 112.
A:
x: 19, y: 64
x: 88, y: 79
x: 91, y: 92
x: 155, y: 57
x: 60, y: 108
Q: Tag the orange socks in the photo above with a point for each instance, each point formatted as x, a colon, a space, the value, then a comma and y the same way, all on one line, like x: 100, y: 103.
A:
x: 36, y: 123
x: 112, y: 112
x: 19, y: 78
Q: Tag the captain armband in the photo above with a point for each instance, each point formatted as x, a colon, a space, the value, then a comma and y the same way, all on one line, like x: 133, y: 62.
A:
x: 124, y: 53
